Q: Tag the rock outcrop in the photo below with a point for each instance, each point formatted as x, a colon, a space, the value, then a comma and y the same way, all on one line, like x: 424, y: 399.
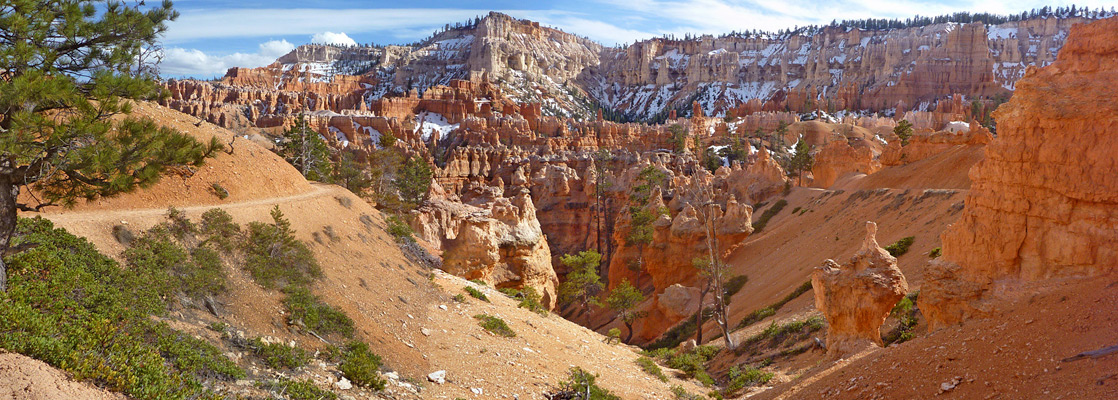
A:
x: 491, y: 238
x: 856, y: 297
x: 1043, y: 203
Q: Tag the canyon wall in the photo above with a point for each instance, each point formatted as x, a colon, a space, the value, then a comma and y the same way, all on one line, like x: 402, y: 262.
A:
x: 1043, y: 203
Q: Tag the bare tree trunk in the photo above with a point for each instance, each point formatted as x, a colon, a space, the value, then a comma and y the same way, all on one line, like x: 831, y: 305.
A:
x: 699, y: 315
x: 9, y: 194
x: 629, y: 337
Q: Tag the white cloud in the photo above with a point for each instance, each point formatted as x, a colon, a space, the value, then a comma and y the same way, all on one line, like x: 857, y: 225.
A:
x: 193, y: 62
x: 333, y: 38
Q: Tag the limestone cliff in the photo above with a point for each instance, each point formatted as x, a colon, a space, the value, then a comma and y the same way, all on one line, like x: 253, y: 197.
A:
x: 1042, y: 204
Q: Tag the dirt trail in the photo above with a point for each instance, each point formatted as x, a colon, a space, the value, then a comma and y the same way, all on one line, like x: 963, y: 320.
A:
x: 67, y: 217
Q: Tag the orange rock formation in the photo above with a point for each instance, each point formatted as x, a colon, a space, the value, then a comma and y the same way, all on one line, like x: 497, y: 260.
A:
x: 1042, y: 204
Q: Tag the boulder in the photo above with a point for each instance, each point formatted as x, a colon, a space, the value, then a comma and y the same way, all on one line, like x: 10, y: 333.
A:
x: 857, y: 297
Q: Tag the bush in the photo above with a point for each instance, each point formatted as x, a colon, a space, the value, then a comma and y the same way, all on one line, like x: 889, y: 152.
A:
x: 79, y: 311
x: 459, y: 298
x: 777, y: 335
x: 275, y: 258
x: 219, y: 191
x: 580, y: 382
x: 935, y: 253
x: 530, y: 300
x: 734, y: 285
x: 360, y: 366
x: 279, y: 355
x: 613, y: 336
x: 681, y: 394
x: 906, y: 314
x: 649, y: 366
x: 763, y: 220
x: 477, y: 294
x: 400, y: 230
x: 318, y: 317
x: 900, y: 247
x: 692, y: 363
x: 219, y: 230
x: 750, y: 376
x: 495, y: 325
x: 299, y: 390
x: 179, y: 225
x: 165, y: 267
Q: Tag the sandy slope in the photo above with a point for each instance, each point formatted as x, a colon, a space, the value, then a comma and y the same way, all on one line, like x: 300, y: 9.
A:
x: 25, y: 378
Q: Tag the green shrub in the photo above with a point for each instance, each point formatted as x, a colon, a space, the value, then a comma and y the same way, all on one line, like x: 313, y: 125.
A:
x: 165, y: 267
x: 676, y: 334
x: 900, y: 247
x: 530, y: 300
x: 750, y: 376
x: 767, y: 215
x: 495, y: 325
x: 219, y: 230
x: 906, y: 314
x: 613, y: 336
x: 400, y: 229
x: 681, y: 394
x: 935, y: 253
x: 479, y: 282
x: 734, y: 285
x: 459, y: 298
x: 360, y: 366
x: 299, y: 390
x: 79, y: 311
x: 691, y: 363
x: 179, y: 225
x: 649, y: 366
x: 219, y: 191
x: 219, y: 327
x: 477, y: 294
x: 580, y: 382
x: 778, y: 335
x: 510, y: 292
x: 279, y: 355
x: 317, y: 316
x: 275, y: 258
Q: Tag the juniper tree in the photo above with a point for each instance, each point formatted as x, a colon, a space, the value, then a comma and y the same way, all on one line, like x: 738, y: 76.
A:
x: 68, y: 70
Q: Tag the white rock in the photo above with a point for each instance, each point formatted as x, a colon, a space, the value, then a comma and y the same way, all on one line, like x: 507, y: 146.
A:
x: 425, y: 331
x: 438, y: 377
x: 392, y: 375
x: 476, y: 391
x: 343, y: 384
x: 442, y: 307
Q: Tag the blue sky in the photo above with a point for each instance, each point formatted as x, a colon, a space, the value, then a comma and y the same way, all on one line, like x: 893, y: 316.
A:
x: 211, y: 36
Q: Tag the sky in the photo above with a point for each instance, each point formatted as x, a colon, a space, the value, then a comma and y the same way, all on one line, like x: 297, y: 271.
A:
x: 211, y: 36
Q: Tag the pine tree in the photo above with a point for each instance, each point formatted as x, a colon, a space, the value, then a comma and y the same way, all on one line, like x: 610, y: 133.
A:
x: 583, y: 283
x: 624, y: 299
x: 351, y: 174
x: 307, y: 151
x: 68, y: 67
x: 802, y: 161
x: 903, y: 131
x: 413, y: 181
